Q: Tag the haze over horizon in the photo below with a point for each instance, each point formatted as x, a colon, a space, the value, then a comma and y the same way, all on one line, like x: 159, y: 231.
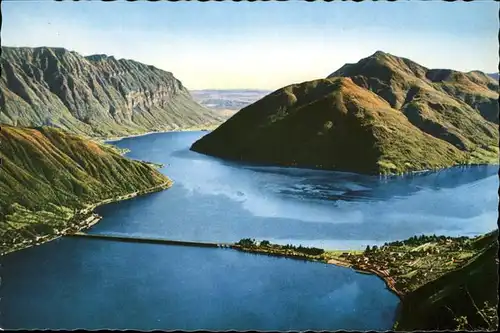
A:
x: 228, y: 45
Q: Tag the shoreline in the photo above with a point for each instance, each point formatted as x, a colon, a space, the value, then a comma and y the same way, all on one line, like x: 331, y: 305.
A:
x: 208, y: 127
x: 283, y: 165
x: 51, y: 237
x: 317, y: 168
x: 388, y: 280
x: 96, y: 218
x: 118, y: 138
x: 127, y: 196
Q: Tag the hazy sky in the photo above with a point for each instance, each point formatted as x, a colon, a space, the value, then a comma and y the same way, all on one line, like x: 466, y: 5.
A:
x: 260, y: 45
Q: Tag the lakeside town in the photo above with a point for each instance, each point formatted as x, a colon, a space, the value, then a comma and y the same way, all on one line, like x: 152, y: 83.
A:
x: 28, y: 238
x: 333, y: 126
x: 67, y: 222
x: 403, y: 265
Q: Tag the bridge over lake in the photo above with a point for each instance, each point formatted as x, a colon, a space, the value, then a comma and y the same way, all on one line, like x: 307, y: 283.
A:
x: 148, y: 240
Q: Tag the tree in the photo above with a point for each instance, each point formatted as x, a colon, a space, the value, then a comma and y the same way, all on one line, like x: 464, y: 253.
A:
x: 265, y: 243
x: 367, y: 250
x: 246, y: 242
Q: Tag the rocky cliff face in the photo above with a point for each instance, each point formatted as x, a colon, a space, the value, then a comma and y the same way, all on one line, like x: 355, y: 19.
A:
x: 95, y: 95
x: 384, y: 114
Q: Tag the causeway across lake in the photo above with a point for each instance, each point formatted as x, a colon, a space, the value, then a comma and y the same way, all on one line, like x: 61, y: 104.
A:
x: 97, y: 283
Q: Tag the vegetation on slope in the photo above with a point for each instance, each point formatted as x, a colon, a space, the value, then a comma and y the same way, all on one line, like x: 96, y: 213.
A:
x: 49, y: 176
x: 464, y: 299
x: 416, y: 261
x: 410, y: 263
x: 96, y: 95
x: 444, y: 282
x: 289, y: 250
x: 382, y: 115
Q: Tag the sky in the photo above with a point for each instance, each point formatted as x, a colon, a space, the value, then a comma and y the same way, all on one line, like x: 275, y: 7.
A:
x: 266, y: 45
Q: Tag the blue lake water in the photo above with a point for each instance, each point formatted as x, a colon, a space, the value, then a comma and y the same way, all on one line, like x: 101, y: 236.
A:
x: 83, y: 283
x: 79, y: 283
x: 214, y: 200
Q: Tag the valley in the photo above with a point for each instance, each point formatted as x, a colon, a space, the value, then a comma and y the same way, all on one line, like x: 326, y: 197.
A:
x: 354, y: 189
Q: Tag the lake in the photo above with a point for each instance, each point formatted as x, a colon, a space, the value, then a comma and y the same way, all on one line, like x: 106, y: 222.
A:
x: 84, y: 283
x: 79, y: 283
x: 215, y: 200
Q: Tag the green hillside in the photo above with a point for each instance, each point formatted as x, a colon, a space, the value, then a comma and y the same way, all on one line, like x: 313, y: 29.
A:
x: 48, y: 176
x: 464, y: 299
x: 382, y: 115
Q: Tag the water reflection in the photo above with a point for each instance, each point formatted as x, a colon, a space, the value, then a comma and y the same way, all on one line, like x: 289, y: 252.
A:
x: 217, y: 200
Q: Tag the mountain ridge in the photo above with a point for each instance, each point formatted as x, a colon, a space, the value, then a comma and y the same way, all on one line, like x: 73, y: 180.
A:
x: 95, y: 95
x: 385, y: 107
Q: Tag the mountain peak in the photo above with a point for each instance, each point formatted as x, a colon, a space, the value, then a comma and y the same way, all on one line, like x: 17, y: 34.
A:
x: 379, y: 54
x: 54, y: 49
x: 380, y: 63
x: 15, y: 54
x: 98, y: 57
x: 383, y: 107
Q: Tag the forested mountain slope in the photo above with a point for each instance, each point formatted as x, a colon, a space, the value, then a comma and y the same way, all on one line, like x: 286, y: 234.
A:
x: 48, y: 175
x: 384, y: 114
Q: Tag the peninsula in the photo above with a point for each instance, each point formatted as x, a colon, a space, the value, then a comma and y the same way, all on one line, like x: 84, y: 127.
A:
x: 52, y: 187
x: 382, y: 115
x: 443, y: 282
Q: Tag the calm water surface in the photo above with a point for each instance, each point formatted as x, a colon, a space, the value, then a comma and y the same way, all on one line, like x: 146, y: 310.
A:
x: 214, y: 200
x: 79, y: 283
